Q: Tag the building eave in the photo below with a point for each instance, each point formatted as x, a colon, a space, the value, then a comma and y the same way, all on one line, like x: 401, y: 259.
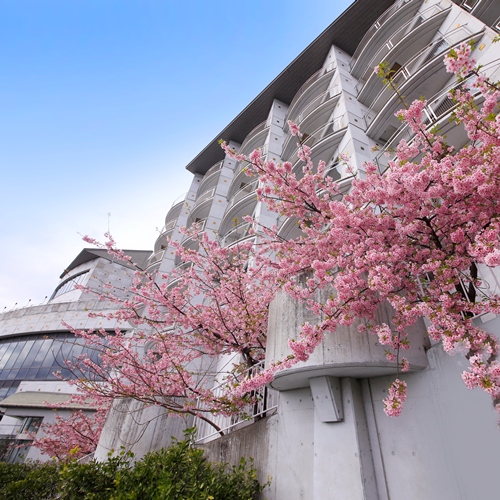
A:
x: 345, y: 32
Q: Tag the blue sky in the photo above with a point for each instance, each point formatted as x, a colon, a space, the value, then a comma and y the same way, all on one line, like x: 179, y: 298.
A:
x: 103, y: 103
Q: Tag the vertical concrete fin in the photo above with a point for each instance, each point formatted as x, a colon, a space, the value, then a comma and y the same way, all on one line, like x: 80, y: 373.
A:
x: 327, y: 396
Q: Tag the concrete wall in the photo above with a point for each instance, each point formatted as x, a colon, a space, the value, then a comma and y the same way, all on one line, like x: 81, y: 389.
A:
x: 140, y: 429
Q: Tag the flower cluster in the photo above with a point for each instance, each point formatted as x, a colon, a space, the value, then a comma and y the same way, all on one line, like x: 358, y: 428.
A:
x: 393, y: 403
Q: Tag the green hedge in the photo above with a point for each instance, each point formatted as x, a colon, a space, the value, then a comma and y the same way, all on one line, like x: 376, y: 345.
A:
x: 180, y: 472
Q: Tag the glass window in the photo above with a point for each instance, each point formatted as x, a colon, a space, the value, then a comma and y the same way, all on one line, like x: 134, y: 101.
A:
x: 18, y: 347
x: 7, y: 354
x: 22, y: 355
x: 44, y: 349
x: 69, y: 284
x: 43, y: 373
x: 32, y: 354
x: 3, y: 348
x: 32, y: 357
x: 31, y: 424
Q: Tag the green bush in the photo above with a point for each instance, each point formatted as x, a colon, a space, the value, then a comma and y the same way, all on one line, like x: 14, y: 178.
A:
x: 180, y: 472
x: 94, y: 480
x: 29, y: 481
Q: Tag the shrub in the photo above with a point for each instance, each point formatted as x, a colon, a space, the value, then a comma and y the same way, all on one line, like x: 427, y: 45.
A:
x: 180, y: 472
x: 29, y: 481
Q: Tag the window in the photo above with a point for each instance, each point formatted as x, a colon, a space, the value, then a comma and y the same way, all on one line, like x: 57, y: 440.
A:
x: 31, y: 424
x: 69, y: 284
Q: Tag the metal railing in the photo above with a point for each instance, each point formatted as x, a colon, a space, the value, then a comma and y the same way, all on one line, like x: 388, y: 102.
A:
x: 374, y: 29
x: 189, y: 240
x: 400, y: 35
x: 243, y: 192
x: 418, y: 61
x: 156, y: 257
x: 436, y: 109
x: 204, y: 197
x: 265, y: 403
x: 318, y: 135
x: 169, y: 226
x: 175, y: 209
x: 251, y: 136
x: 210, y: 177
x: 469, y: 4
x: 316, y: 77
x: 484, y: 286
x: 327, y: 96
x: 235, y: 234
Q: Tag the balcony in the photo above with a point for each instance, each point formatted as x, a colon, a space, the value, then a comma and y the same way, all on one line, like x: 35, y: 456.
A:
x: 409, y: 39
x: 241, y: 204
x: 242, y: 164
x: 246, y: 190
x: 166, y: 232
x: 289, y: 228
x: 255, y: 139
x: 153, y: 268
x: 389, y: 22
x: 437, y: 113
x: 236, y: 234
x: 488, y: 11
x: 192, y: 241
x: 266, y: 403
x: 211, y: 178
x: 314, y: 87
x: 175, y: 210
x: 323, y: 142
x: 202, y: 206
x: 156, y: 257
x: 424, y: 74
x: 314, y: 115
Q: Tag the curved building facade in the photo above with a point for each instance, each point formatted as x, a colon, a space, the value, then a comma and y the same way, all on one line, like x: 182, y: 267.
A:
x: 35, y: 342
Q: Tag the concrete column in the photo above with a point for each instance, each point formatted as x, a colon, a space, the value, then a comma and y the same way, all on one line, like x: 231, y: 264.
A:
x: 343, y: 466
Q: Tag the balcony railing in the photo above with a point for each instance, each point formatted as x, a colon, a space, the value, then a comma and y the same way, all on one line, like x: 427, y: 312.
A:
x: 247, y: 145
x: 318, y: 135
x: 331, y: 93
x: 169, y: 226
x: 189, y: 240
x: 266, y: 403
x: 242, y: 164
x: 204, y: 197
x: 214, y: 168
x: 314, y: 79
x: 405, y: 31
x: 210, y: 177
x: 156, y: 257
x: 175, y: 209
x: 327, y: 96
x: 242, y: 193
x: 235, y: 234
x: 425, y: 55
x: 374, y: 28
x: 435, y: 110
x: 469, y: 4
x: 496, y: 25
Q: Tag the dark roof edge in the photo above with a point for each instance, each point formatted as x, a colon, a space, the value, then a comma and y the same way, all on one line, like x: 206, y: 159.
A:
x: 88, y: 254
x: 345, y: 32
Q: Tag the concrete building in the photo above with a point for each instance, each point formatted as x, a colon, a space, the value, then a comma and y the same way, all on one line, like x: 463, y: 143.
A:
x: 34, y: 344
x: 321, y: 432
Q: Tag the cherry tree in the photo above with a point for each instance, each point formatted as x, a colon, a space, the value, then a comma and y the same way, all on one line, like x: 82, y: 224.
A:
x: 72, y: 437
x: 414, y: 235
x: 214, y: 305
